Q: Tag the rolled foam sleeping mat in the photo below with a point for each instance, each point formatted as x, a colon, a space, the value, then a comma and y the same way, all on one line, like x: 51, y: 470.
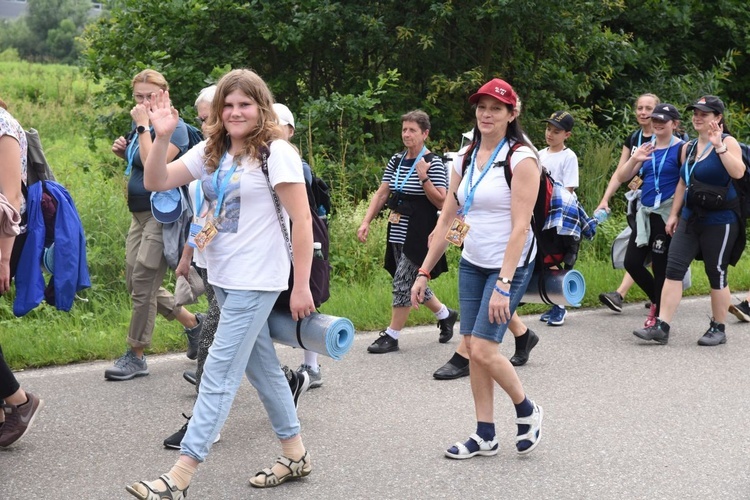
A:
x: 328, y: 335
x: 561, y: 287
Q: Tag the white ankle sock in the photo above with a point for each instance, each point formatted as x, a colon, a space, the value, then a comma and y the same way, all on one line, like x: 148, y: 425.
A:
x: 393, y: 333
x: 442, y: 313
x: 311, y: 360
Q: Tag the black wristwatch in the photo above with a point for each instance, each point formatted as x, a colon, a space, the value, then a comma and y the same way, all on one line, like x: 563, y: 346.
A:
x: 422, y: 181
x: 140, y: 129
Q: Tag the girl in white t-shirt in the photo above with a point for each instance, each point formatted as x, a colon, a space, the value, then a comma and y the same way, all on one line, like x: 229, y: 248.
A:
x: 493, y: 223
x: 248, y: 266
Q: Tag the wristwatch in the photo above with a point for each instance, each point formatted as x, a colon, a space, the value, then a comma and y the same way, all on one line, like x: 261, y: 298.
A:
x: 422, y: 181
x: 504, y: 281
x: 140, y: 129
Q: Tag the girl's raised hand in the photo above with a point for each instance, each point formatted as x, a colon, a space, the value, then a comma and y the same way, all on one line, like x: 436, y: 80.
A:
x: 163, y: 116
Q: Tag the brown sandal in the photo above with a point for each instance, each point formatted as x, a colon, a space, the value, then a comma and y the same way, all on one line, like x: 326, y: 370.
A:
x: 267, y: 479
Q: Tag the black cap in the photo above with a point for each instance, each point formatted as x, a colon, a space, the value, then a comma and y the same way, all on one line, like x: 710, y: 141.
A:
x: 708, y: 103
x: 665, y: 112
x: 561, y: 120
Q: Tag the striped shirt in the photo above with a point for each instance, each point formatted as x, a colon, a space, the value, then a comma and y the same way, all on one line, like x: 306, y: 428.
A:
x: 436, y: 173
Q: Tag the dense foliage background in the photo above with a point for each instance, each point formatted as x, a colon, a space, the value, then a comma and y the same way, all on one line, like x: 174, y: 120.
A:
x: 349, y: 70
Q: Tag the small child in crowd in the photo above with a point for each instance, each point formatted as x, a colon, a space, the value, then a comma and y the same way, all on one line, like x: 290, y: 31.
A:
x: 562, y: 164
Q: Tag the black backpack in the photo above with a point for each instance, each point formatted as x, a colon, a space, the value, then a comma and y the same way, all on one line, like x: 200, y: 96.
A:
x: 194, y: 135
x: 554, y: 250
x: 37, y: 170
x: 320, y: 271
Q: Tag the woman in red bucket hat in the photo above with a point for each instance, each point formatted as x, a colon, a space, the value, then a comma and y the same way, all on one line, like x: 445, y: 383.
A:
x: 492, y: 223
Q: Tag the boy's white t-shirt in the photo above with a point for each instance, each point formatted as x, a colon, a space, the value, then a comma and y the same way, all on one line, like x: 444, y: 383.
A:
x: 562, y: 166
x: 249, y: 252
x: 198, y: 218
x: 489, y: 215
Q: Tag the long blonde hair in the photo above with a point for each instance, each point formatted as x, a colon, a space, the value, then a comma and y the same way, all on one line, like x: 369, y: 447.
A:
x: 253, y: 86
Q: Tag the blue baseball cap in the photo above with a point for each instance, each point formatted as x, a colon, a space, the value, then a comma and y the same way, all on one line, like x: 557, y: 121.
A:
x: 166, y: 206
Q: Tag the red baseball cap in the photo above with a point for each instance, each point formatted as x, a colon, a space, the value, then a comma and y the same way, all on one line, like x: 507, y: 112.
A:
x: 497, y: 88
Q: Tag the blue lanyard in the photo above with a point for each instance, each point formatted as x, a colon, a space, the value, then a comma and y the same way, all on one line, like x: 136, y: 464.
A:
x: 221, y: 191
x: 131, y: 151
x: 198, y: 199
x: 657, y: 173
x: 688, y: 170
x: 400, y: 188
x: 469, y: 190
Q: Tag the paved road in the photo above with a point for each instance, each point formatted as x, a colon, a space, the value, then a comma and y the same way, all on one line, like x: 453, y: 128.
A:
x: 623, y: 420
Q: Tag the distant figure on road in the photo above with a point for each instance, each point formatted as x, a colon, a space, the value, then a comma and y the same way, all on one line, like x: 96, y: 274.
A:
x: 496, y: 264
x: 145, y: 264
x: 19, y: 408
x: 705, y: 219
x: 413, y: 188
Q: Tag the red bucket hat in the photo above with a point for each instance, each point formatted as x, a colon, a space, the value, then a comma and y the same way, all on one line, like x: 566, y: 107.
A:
x: 497, y: 88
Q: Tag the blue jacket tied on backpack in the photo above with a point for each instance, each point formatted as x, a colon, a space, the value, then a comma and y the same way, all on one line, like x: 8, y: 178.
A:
x: 71, y: 269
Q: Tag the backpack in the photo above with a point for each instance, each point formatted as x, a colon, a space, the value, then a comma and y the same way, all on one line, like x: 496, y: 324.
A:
x: 194, y: 135
x: 741, y: 185
x: 37, y: 169
x: 319, y: 194
x: 554, y: 250
x: 320, y: 271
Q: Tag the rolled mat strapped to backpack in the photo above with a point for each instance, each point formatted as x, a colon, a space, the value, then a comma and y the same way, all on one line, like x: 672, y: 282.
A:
x: 328, y: 335
x: 562, y: 287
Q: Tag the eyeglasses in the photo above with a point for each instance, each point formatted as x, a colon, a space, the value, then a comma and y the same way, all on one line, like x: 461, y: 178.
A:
x: 141, y: 97
x: 201, y: 121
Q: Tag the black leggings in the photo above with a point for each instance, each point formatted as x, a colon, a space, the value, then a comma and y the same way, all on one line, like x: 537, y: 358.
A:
x: 658, y: 248
x: 713, y: 242
x: 8, y: 383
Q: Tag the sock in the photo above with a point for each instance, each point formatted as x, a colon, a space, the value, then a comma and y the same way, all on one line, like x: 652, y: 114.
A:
x: 311, y: 360
x: 523, y: 409
x: 522, y: 341
x: 292, y: 449
x: 392, y: 333
x: 458, y: 361
x: 181, y: 474
x: 485, y: 430
x: 442, y: 313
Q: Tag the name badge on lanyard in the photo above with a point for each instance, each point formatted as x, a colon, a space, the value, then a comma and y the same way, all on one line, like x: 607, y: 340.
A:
x: 209, y: 230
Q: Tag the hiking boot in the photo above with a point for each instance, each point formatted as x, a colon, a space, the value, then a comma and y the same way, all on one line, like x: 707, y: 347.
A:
x: 173, y: 441
x: 446, y: 326
x: 18, y: 419
x: 194, y: 336
x: 384, y: 343
x: 316, y: 378
x: 557, y: 316
x: 741, y: 311
x: 656, y: 332
x: 613, y: 300
x: 190, y: 376
x: 651, y: 320
x: 714, y: 335
x: 127, y: 367
x: 299, y: 383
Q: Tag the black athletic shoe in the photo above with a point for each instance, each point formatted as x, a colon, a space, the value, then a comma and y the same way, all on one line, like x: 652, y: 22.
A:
x: 173, y: 441
x: 741, y: 311
x: 446, y: 326
x: 384, y: 343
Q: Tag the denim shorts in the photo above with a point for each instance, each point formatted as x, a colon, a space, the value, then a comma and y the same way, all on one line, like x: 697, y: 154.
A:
x: 475, y: 287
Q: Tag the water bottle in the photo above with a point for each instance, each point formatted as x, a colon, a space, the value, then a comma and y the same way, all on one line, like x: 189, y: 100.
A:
x: 318, y: 250
x: 601, y: 215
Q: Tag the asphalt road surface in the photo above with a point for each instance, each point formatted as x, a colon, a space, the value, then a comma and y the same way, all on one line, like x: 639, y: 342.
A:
x: 623, y: 419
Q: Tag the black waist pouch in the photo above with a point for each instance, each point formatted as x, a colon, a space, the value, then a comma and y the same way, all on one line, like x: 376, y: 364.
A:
x: 399, y: 203
x: 707, y: 196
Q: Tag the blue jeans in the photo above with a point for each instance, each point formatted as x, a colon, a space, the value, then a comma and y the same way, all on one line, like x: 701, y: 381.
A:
x: 475, y: 287
x: 242, y: 343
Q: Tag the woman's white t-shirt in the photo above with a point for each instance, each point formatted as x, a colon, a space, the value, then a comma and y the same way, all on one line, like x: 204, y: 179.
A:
x: 489, y: 215
x: 249, y: 252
